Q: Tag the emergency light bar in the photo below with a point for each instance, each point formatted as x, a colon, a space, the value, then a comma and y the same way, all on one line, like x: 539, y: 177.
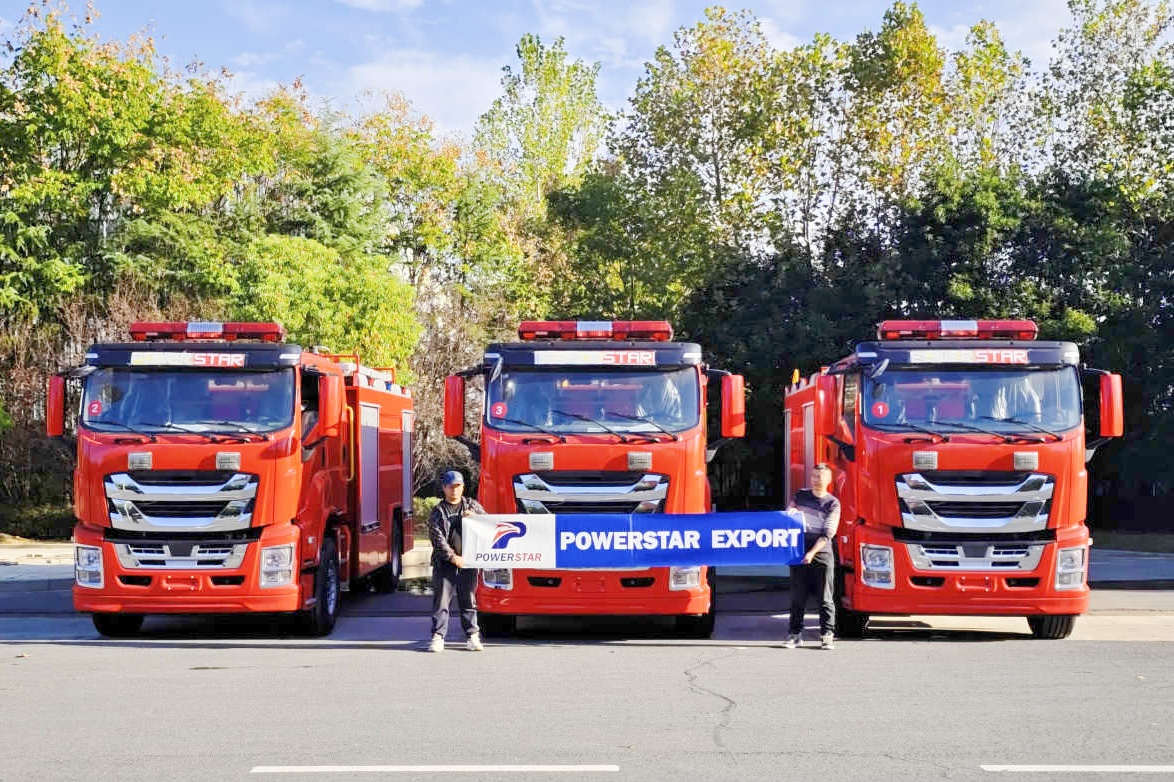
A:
x: 195, y: 330
x: 654, y: 330
x: 957, y: 329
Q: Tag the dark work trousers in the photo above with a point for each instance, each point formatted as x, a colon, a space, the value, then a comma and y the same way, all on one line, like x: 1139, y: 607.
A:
x: 813, y: 579
x: 446, y: 580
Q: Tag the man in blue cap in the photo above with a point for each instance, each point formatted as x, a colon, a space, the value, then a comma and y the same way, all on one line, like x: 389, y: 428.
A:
x: 449, y: 573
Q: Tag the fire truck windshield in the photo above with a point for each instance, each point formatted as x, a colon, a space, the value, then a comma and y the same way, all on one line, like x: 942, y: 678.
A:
x: 168, y: 400
x: 589, y: 400
x: 1002, y: 400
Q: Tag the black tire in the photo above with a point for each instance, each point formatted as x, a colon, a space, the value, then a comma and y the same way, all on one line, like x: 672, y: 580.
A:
x: 118, y: 625
x: 850, y: 624
x: 497, y: 625
x: 386, y: 579
x: 701, y: 626
x: 319, y: 620
x: 1051, y: 627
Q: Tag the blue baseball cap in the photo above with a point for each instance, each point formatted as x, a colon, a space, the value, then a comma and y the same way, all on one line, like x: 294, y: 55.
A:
x: 452, y: 477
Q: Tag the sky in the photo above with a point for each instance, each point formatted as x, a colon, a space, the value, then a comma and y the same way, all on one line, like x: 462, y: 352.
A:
x: 446, y: 56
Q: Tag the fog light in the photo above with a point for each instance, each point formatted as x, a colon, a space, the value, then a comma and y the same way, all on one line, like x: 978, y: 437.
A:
x: 277, y: 565
x: 877, y: 566
x: 684, y: 578
x: 1070, y: 568
x: 498, y: 579
x: 87, y: 561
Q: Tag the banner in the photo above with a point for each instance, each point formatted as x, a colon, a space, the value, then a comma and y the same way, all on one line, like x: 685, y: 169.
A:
x: 613, y: 540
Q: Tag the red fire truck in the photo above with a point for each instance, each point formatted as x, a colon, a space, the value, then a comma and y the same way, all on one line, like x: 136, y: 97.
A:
x: 595, y: 417
x: 959, y: 454
x: 222, y: 470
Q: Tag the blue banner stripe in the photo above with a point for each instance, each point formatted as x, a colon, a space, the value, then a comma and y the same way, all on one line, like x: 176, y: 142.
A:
x: 612, y: 540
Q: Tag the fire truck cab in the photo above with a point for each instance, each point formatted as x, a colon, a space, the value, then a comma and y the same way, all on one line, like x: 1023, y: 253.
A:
x: 595, y: 417
x: 222, y: 470
x: 959, y: 454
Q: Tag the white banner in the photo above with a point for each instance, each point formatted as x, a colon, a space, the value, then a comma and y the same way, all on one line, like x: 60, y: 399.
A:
x: 519, y: 540
x: 620, y: 358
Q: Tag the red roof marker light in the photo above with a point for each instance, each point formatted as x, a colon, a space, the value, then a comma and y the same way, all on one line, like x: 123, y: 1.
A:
x: 203, y: 330
x: 653, y: 330
x: 957, y: 329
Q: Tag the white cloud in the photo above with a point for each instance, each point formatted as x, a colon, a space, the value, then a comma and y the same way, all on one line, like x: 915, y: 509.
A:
x: 257, y: 15
x: 778, y: 37
x: 1033, y: 27
x: 253, y: 59
x: 250, y: 86
x: 453, y: 91
x: 783, y: 10
x: 383, y: 6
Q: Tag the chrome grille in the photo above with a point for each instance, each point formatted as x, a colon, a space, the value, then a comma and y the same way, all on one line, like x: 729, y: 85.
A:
x: 979, y: 555
x: 555, y: 493
x: 180, y: 555
x: 211, y: 501
x: 968, y: 501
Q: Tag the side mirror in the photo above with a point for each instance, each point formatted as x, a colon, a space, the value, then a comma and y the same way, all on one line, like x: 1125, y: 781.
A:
x: 330, y: 402
x: 1112, y: 406
x: 733, y: 406
x: 454, y: 406
x: 55, y: 407
x: 826, y: 392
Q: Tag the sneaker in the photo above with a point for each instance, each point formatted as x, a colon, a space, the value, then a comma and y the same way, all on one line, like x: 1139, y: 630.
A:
x: 437, y: 644
x: 827, y: 641
x: 792, y: 640
x: 474, y: 643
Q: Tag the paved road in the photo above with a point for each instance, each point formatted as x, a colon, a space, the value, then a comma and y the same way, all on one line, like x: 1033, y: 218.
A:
x: 920, y: 699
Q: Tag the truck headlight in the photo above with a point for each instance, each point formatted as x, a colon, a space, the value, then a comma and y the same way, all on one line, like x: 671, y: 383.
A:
x: 87, y: 566
x: 681, y: 578
x: 277, y: 565
x: 877, y: 566
x: 1070, y: 568
x: 499, y: 578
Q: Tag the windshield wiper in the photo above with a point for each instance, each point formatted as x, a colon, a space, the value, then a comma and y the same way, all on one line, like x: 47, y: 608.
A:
x: 146, y: 435
x: 924, y: 429
x: 1001, y: 435
x: 240, y: 427
x: 169, y: 425
x: 1021, y: 422
x: 535, y: 427
x: 645, y: 420
x: 589, y: 419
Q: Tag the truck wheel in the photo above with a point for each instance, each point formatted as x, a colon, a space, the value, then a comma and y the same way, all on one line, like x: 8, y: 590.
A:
x: 497, y: 625
x: 701, y: 626
x: 319, y: 620
x: 1052, y: 627
x: 386, y: 579
x: 850, y: 624
x: 118, y: 625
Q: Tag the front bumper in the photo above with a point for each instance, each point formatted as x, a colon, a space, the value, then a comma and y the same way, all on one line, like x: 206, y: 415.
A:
x: 970, y: 593
x: 594, y: 592
x: 187, y: 591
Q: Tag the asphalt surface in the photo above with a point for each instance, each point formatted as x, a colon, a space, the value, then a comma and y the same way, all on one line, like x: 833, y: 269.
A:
x: 920, y: 698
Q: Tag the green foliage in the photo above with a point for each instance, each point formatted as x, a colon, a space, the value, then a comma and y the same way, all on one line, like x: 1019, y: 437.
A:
x: 323, y: 298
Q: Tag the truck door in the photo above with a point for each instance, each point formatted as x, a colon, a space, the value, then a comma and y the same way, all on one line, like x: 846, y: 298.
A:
x: 373, y: 533
x: 788, y: 490
x: 808, y: 442
x: 409, y: 425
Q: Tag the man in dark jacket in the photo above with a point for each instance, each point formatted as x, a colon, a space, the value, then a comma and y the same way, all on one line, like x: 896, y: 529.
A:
x: 821, y: 517
x: 449, y: 573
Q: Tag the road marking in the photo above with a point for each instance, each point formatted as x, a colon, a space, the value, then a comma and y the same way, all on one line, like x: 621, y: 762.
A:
x: 450, y: 769
x: 1086, y: 769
